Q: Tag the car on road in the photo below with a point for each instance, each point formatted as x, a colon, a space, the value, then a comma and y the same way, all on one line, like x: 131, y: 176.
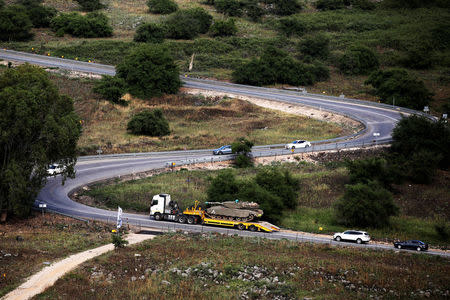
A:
x: 223, y: 150
x: 298, y: 144
x: 352, y: 235
x: 411, y: 244
x: 55, y: 169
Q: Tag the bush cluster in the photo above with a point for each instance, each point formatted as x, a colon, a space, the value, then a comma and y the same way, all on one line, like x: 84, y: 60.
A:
x: 276, y: 66
x: 273, y: 188
x: 255, y: 9
x: 291, y: 26
x: 150, y: 33
x: 415, y: 3
x: 151, y: 123
x: 397, y: 85
x: 339, y: 4
x: 163, y: 7
x: 149, y: 71
x: 315, y: 46
x: 223, y: 28
x: 111, y: 88
x: 15, y: 24
x: 90, y: 5
x: 91, y: 25
x: 39, y: 15
x: 188, y: 23
x: 358, y: 60
x: 233, y: 8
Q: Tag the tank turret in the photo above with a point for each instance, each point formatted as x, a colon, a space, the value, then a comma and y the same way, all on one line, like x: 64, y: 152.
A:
x: 234, y: 210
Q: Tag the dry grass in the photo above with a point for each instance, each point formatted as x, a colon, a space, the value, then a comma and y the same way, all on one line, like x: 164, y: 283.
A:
x: 26, y: 244
x: 208, y: 267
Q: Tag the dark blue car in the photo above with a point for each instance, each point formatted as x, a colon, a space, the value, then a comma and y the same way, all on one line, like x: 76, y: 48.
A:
x: 412, y: 244
x: 222, y: 150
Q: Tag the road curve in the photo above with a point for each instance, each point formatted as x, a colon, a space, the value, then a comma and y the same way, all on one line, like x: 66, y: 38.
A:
x: 377, y: 118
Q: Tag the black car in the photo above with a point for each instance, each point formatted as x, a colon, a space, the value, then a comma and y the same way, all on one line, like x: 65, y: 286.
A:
x: 412, y: 244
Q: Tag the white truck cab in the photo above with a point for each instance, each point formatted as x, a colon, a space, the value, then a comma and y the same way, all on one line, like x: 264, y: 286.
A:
x: 162, y: 206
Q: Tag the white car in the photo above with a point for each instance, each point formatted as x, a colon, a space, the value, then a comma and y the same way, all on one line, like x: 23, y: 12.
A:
x: 298, y: 144
x: 55, y: 169
x: 352, y: 235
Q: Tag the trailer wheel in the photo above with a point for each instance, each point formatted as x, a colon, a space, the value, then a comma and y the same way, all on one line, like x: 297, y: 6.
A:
x: 190, y: 220
x: 241, y: 226
x: 252, y: 228
x: 158, y: 217
x: 182, y: 219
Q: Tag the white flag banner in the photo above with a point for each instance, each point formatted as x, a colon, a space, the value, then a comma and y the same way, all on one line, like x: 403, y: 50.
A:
x: 119, y: 217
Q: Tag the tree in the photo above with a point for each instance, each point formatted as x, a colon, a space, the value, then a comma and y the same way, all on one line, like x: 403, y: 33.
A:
x: 150, y: 33
x: 38, y: 127
x: 224, y: 28
x: 15, y: 25
x: 162, y: 6
x: 90, y: 5
x: 150, y: 71
x: 242, y: 147
x: 39, y: 15
x: 112, y: 88
x: 358, y: 60
x: 365, y: 205
x: 152, y: 123
x: 397, y: 85
x: 316, y: 46
x: 223, y: 187
x: 415, y: 134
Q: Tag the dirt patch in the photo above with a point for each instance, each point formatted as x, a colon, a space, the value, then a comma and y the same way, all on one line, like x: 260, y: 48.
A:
x: 289, y: 108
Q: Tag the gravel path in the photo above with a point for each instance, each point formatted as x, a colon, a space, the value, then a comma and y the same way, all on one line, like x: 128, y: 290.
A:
x: 38, y: 282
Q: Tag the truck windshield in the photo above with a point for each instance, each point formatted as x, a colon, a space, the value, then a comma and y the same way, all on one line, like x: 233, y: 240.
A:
x: 154, y: 202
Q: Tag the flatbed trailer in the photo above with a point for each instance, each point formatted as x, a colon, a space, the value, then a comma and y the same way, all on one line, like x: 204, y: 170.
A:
x: 200, y: 217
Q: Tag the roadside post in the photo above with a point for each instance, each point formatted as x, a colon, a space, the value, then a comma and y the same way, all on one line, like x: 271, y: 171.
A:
x: 42, y: 206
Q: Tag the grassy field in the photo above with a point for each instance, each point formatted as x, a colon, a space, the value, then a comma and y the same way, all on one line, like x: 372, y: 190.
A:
x: 319, y: 188
x: 195, y: 122
x: 391, y: 33
x: 216, y: 267
x: 26, y: 246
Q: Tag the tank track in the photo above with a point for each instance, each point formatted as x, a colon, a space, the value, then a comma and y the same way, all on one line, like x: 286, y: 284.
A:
x: 228, y: 218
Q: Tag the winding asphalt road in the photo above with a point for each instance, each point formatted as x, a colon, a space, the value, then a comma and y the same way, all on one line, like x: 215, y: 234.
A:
x: 378, y: 120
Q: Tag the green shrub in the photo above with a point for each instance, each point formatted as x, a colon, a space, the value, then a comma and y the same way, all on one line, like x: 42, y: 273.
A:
x: 397, y: 85
x: 363, y: 4
x: 279, y: 183
x: 187, y: 24
x: 39, y: 15
x: 365, y: 205
x: 291, y: 26
x: 285, y: 7
x: 253, y: 10
x: 223, y: 187
x: 417, y: 58
x: 229, y: 7
x: 415, y: 134
x: 330, y: 4
x: 371, y: 169
x: 162, y: 6
x: 118, y: 241
x: 422, y: 166
x: 358, y: 60
x: 2, y: 4
x: 242, y: 147
x: 15, y: 25
x: 274, y: 66
x: 151, y: 123
x: 318, y: 71
x: 111, y: 88
x: 415, y: 3
x: 149, y: 71
x: 90, y: 5
x: 316, y: 46
x: 224, y: 28
x: 91, y: 25
x: 150, y: 33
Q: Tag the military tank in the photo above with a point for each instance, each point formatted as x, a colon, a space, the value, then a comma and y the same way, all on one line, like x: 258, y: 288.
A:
x: 234, y: 210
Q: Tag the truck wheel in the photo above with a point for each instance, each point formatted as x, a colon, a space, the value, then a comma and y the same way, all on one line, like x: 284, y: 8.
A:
x: 252, y: 228
x: 158, y: 217
x: 241, y: 226
x: 190, y: 220
x: 182, y: 219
